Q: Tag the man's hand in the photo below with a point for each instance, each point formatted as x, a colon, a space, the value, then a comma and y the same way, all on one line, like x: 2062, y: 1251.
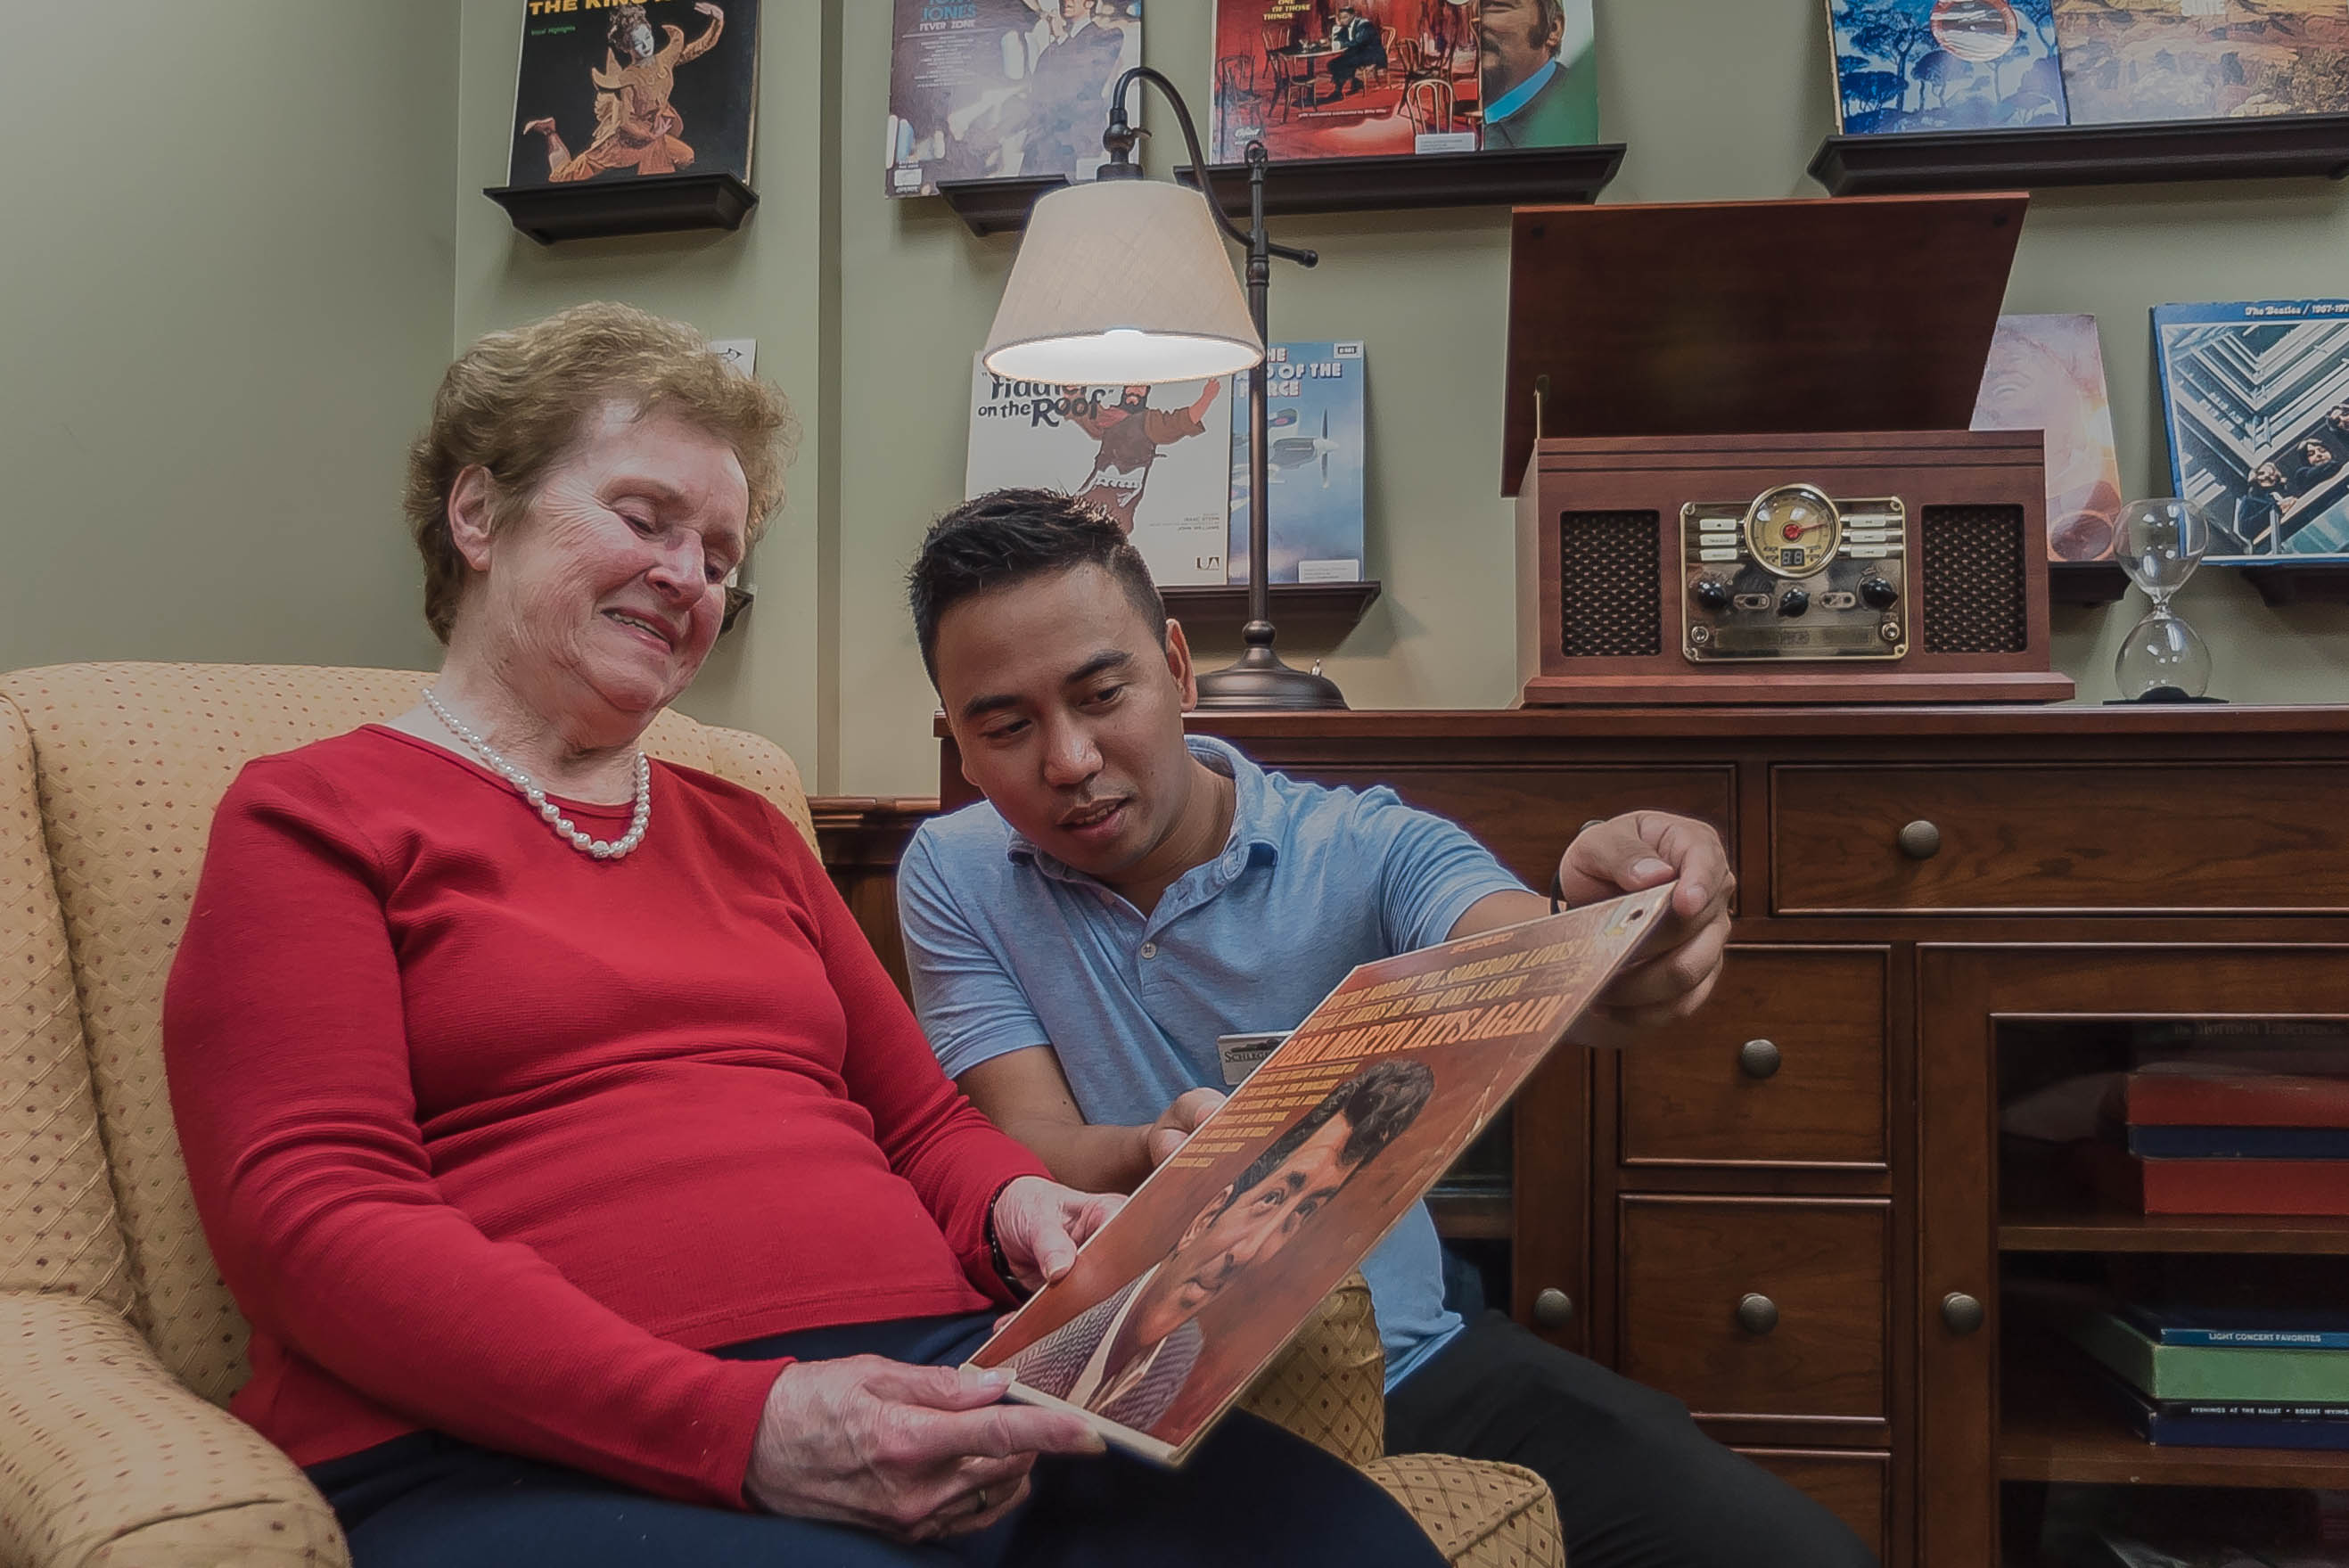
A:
x: 1644, y: 849
x: 706, y: 9
x: 1178, y: 1122
x: 1040, y: 1224
x: 914, y: 1453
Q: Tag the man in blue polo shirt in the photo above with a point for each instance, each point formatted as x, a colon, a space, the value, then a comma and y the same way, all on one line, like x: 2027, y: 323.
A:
x: 1126, y: 895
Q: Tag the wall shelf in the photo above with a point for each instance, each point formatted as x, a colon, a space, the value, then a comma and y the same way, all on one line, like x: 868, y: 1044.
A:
x: 598, y: 209
x: 1545, y: 175
x: 1309, y: 615
x: 2088, y: 583
x: 2309, y: 582
x: 2267, y: 147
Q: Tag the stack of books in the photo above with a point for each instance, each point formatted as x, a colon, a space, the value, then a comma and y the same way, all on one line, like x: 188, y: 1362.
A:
x: 2246, y: 1378
x: 2196, y: 1139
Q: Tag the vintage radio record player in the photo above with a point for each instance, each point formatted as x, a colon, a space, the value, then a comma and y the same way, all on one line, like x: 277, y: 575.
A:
x: 1737, y: 437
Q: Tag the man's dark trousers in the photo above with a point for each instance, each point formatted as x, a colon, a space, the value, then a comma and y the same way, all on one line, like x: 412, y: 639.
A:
x: 1637, y: 1484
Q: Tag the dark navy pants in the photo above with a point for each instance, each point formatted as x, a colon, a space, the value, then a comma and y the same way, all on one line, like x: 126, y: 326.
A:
x: 1252, y: 1496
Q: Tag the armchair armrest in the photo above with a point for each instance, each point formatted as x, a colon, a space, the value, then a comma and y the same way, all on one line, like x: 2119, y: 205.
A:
x: 1330, y: 1385
x: 108, y: 1461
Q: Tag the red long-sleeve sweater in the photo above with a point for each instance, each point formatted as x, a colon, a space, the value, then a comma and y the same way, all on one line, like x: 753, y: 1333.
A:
x: 495, y: 1139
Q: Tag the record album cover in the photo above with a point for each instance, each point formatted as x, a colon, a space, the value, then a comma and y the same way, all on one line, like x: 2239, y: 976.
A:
x: 2256, y: 396
x: 1176, y: 1304
x: 1315, y: 392
x: 1156, y: 459
x: 1360, y: 78
x: 615, y: 92
x: 2202, y: 59
x: 1944, y: 65
x: 2047, y: 373
x: 984, y: 89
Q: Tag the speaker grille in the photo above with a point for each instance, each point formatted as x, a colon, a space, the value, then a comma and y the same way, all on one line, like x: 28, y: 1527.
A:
x: 1608, y: 595
x: 1973, y: 582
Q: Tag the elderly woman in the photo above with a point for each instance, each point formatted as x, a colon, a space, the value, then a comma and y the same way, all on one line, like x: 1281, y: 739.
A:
x: 591, y: 1194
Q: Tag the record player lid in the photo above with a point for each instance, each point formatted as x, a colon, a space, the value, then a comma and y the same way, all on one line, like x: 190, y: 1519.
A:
x: 1753, y: 317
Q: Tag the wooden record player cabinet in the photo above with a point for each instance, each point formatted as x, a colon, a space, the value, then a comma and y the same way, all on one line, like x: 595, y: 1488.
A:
x: 1791, y: 1216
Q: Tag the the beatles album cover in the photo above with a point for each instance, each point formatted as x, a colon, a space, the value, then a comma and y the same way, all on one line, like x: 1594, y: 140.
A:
x: 1156, y: 459
x: 2256, y: 399
x: 614, y: 92
x: 1944, y: 65
x: 985, y: 89
x: 2047, y: 373
x: 1362, y: 78
x: 1315, y: 460
x: 1177, y: 1303
x: 2202, y: 59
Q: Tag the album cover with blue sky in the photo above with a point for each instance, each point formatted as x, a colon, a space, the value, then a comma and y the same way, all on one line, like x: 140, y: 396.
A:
x: 1945, y: 65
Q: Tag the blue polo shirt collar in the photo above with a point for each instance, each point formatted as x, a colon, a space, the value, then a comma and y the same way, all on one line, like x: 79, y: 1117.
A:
x: 1253, y: 840
x: 1517, y: 96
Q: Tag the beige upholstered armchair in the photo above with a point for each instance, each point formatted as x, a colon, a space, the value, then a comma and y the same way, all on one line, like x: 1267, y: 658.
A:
x: 119, y: 1342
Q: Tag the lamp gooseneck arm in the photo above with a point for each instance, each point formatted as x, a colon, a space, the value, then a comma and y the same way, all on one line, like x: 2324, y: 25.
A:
x: 1121, y: 136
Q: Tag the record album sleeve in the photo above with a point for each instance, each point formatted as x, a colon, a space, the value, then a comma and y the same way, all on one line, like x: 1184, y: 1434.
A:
x: 1178, y: 1302
x: 619, y: 92
x: 1316, y: 461
x: 2128, y: 60
x: 2047, y: 373
x: 1944, y: 65
x: 1157, y: 459
x: 1002, y: 89
x: 2256, y: 397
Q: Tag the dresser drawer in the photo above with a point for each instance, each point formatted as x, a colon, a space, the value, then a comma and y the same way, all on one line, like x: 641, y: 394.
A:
x: 2218, y: 837
x: 1784, y: 1066
x: 1527, y: 816
x: 1816, y: 1343
x: 1855, y: 1487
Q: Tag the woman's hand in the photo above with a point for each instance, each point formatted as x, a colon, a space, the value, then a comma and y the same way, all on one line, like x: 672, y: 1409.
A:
x: 1178, y: 1122
x: 914, y: 1453
x: 1040, y: 1224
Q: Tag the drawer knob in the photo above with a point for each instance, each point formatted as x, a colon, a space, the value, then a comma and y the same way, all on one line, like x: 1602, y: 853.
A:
x: 1756, y: 1313
x: 1758, y: 1059
x: 1961, y: 1312
x: 1920, y: 840
x: 1553, y: 1309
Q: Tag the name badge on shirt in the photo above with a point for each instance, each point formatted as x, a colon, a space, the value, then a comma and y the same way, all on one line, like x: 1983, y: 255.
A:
x: 1243, y: 1054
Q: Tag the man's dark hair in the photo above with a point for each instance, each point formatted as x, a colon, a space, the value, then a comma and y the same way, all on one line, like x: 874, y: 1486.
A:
x: 1377, y: 1104
x: 1010, y: 536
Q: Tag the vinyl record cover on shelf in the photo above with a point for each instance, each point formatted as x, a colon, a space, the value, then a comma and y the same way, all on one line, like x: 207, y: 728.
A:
x: 2256, y: 398
x: 1362, y: 78
x: 1944, y: 65
x: 984, y: 89
x: 1316, y: 463
x: 2047, y: 373
x: 2127, y: 60
x: 668, y: 87
x: 1156, y: 459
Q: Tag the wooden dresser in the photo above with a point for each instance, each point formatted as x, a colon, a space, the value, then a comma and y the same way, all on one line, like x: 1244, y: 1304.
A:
x: 1791, y: 1216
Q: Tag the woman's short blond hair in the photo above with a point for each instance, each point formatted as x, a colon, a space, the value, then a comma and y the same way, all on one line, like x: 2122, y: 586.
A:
x: 516, y: 401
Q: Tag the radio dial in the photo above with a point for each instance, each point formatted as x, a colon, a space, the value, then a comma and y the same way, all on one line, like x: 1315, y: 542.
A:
x: 1879, y: 593
x: 1794, y: 603
x: 1711, y: 593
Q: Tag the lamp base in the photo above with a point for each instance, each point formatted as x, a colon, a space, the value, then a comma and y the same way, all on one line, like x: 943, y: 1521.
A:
x: 1258, y: 680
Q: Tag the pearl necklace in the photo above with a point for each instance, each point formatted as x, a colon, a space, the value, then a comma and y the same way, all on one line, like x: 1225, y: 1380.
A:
x: 563, y: 827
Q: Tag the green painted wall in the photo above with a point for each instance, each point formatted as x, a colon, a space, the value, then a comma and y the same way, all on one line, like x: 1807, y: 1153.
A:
x: 214, y: 358
x: 225, y: 261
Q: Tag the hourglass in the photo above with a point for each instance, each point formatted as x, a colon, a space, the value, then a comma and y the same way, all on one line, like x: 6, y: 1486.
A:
x: 2158, y: 544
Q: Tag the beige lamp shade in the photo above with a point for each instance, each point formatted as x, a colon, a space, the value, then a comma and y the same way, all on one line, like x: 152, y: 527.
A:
x: 1121, y: 280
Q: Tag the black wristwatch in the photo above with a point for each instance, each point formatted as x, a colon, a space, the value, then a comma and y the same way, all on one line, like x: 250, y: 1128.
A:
x: 996, y: 1256
x: 1558, y: 890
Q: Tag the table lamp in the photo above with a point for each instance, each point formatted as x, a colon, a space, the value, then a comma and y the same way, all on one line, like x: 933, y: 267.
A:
x: 1124, y: 280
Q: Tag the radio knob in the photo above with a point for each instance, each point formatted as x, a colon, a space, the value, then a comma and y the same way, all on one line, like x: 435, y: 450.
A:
x: 1879, y: 593
x: 1711, y: 593
x: 1796, y: 603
